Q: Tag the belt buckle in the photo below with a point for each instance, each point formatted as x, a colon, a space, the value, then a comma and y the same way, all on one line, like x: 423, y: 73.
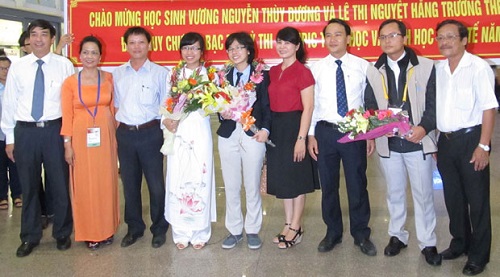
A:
x: 40, y: 124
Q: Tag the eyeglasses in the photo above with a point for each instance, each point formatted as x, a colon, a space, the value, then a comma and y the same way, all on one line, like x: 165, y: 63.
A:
x: 390, y: 36
x: 190, y: 48
x: 4, y: 68
x: 448, y: 37
x: 26, y: 44
x: 236, y: 49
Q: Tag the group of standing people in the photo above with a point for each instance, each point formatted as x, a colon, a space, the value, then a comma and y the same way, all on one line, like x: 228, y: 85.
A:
x: 92, y: 119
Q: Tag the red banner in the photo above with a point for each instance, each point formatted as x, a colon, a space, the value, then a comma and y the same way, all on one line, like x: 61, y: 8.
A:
x: 167, y: 21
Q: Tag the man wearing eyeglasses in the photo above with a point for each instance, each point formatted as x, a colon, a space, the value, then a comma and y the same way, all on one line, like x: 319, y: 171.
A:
x: 140, y: 86
x: 402, y: 81
x: 465, y: 112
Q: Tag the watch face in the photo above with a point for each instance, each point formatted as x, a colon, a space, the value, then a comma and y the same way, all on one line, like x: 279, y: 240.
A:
x: 484, y: 147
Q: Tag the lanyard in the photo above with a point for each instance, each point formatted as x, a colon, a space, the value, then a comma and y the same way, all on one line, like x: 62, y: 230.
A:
x: 98, y: 94
x: 405, y: 90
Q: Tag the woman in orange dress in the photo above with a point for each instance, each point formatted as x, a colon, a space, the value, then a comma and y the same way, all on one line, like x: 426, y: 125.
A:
x: 90, y: 148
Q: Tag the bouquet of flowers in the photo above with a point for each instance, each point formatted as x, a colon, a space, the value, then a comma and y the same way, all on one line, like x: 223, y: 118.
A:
x: 239, y: 100
x: 370, y: 124
x: 187, y: 94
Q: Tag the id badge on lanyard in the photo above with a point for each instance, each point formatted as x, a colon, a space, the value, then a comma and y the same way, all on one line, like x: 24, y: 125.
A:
x: 93, y: 137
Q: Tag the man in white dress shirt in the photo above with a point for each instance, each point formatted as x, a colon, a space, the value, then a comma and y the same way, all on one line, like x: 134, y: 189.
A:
x: 465, y: 113
x: 31, y: 121
x: 323, y: 135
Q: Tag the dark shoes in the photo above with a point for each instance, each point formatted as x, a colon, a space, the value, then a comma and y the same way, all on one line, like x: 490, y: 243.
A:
x: 394, y: 247
x: 130, y: 239
x: 431, y: 255
x: 26, y: 248
x: 472, y: 268
x: 328, y: 243
x: 63, y: 243
x: 449, y: 254
x: 158, y: 241
x: 367, y: 247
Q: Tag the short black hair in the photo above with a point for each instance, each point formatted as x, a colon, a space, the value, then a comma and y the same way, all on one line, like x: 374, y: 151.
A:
x: 22, y: 39
x: 190, y: 39
x: 462, y: 29
x: 136, y: 31
x: 401, y: 26
x: 91, y: 39
x: 244, y: 39
x: 5, y: 59
x: 292, y: 35
x: 44, y: 24
x: 341, y: 22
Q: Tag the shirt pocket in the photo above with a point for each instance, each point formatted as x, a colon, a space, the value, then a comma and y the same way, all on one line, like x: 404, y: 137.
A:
x: 149, y: 95
x: 54, y: 91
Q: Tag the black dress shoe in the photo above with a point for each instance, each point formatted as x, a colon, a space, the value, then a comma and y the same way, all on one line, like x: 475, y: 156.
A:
x: 367, y: 247
x: 472, y: 268
x: 25, y: 248
x: 431, y: 255
x: 63, y: 243
x: 129, y: 239
x: 328, y: 243
x: 158, y: 241
x: 394, y: 247
x: 449, y: 254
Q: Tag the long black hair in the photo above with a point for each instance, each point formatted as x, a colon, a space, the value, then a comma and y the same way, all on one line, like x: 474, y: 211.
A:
x: 292, y: 35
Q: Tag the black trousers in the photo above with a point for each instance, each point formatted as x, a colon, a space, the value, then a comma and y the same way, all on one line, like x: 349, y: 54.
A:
x: 467, y: 196
x: 138, y: 153
x: 353, y: 157
x: 34, y: 146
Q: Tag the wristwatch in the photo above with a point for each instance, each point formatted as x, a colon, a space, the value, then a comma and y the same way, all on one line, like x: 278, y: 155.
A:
x: 484, y: 147
x: 300, y: 138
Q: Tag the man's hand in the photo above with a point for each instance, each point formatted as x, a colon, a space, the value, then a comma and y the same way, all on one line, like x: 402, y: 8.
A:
x: 370, y: 147
x: 312, y: 147
x: 416, y: 135
x: 480, y: 159
x: 9, y: 149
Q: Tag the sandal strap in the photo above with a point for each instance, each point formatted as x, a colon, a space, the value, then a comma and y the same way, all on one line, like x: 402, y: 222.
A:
x: 299, y: 231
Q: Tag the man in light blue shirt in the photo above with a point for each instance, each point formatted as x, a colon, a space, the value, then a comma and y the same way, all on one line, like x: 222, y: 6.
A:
x: 140, y: 88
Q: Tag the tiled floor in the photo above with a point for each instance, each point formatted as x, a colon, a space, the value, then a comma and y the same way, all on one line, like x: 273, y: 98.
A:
x: 303, y: 260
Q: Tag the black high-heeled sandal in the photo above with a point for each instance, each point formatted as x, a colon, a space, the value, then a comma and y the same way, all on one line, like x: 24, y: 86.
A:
x: 296, y: 239
x: 280, y: 236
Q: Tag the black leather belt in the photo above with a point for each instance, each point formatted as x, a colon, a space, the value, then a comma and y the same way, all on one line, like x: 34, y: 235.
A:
x: 328, y: 124
x: 149, y: 124
x: 463, y: 131
x: 39, y: 124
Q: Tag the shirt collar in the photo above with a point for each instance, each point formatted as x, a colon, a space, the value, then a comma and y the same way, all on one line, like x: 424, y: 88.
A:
x: 344, y: 58
x: 45, y: 59
x: 146, y: 66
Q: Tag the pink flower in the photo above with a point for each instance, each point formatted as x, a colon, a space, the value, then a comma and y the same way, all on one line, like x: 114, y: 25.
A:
x: 367, y: 114
x: 256, y: 78
x: 191, y: 203
x: 382, y: 114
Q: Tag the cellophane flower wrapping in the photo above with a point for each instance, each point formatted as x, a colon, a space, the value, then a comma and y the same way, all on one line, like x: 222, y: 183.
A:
x: 361, y: 124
